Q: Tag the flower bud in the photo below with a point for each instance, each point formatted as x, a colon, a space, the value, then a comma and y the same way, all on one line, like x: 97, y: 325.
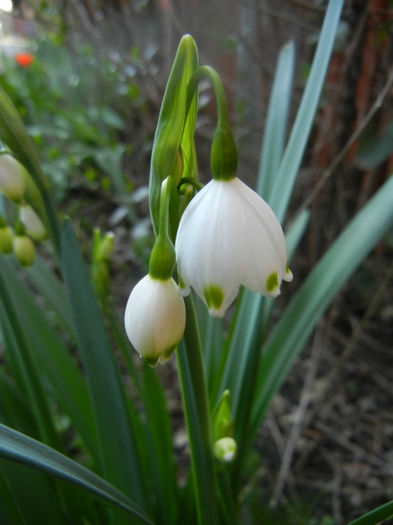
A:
x: 12, y: 184
x: 225, y: 449
x: 32, y: 223
x: 24, y: 250
x: 6, y: 237
x: 155, y: 318
x: 106, y: 246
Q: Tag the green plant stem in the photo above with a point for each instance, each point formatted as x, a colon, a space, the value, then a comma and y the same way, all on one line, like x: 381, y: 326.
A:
x: 213, y: 76
x: 196, y: 406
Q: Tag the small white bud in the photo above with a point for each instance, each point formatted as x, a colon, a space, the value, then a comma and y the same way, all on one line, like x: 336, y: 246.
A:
x: 12, y: 182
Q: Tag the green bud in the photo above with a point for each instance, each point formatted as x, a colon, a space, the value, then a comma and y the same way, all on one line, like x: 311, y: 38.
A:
x: 224, y: 449
x: 106, y: 247
x: 100, y: 276
x: 24, y: 250
x: 12, y: 183
x: 6, y: 238
x: 223, y: 154
x: 221, y: 418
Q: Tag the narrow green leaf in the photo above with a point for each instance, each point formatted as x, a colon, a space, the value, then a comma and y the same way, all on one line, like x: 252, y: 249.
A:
x: 315, y: 295
x: 162, y: 461
x: 27, y: 451
x: 195, y: 402
x: 376, y: 515
x: 120, y: 462
x: 24, y: 361
x: 285, y: 179
x: 276, y: 123
x: 50, y: 287
x: 54, y: 359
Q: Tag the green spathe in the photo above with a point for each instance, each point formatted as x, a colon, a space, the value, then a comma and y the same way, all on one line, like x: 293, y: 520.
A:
x: 168, y: 145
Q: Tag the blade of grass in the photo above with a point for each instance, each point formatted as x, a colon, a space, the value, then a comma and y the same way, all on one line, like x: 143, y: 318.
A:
x: 314, y: 296
x: 22, y: 449
x: 119, y: 457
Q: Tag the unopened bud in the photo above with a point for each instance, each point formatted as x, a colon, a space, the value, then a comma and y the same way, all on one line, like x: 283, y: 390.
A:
x: 32, y: 223
x: 6, y: 237
x: 225, y: 449
x: 106, y: 247
x: 24, y: 250
x: 12, y: 184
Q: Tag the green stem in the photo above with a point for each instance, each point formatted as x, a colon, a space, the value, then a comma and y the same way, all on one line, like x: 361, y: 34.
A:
x: 213, y: 76
x: 196, y: 406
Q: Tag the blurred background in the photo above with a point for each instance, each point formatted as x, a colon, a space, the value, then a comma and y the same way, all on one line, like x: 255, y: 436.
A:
x: 87, y: 77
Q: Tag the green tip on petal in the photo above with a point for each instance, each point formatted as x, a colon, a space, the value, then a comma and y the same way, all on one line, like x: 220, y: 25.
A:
x: 288, y: 275
x: 151, y: 360
x: 272, y: 282
x: 167, y: 354
x: 214, y: 296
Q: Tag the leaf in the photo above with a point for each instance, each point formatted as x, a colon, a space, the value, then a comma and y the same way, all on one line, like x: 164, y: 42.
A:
x: 196, y: 407
x: 18, y: 447
x: 54, y: 359
x: 310, y: 302
x: 376, y: 515
x: 117, y: 443
x: 289, y: 166
x: 162, y: 462
x: 276, y: 123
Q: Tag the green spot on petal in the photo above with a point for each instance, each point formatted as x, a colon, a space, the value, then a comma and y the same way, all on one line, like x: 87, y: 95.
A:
x: 181, y: 282
x: 214, y: 296
x: 272, y: 282
x: 151, y: 360
x: 167, y: 354
x: 288, y: 270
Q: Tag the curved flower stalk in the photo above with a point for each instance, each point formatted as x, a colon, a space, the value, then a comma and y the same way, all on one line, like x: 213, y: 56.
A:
x: 155, y: 318
x: 228, y: 236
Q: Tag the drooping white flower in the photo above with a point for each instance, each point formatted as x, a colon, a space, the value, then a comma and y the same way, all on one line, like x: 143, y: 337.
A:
x: 12, y: 183
x: 32, y: 223
x: 155, y: 318
x: 228, y: 236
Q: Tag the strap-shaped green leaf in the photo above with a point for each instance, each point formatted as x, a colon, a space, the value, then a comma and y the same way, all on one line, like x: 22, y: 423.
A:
x: 376, y: 515
x: 27, y: 451
x: 276, y: 123
x: 285, y: 179
x: 305, y: 309
x: 120, y: 463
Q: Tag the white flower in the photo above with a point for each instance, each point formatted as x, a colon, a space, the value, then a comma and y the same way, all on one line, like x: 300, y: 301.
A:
x: 12, y: 182
x: 228, y: 236
x: 32, y: 223
x: 155, y: 318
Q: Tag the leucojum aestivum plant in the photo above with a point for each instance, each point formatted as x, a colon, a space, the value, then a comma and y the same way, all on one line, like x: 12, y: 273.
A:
x: 76, y: 445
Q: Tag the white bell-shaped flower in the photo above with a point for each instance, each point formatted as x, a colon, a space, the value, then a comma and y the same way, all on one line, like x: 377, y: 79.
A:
x: 228, y: 236
x: 155, y: 318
